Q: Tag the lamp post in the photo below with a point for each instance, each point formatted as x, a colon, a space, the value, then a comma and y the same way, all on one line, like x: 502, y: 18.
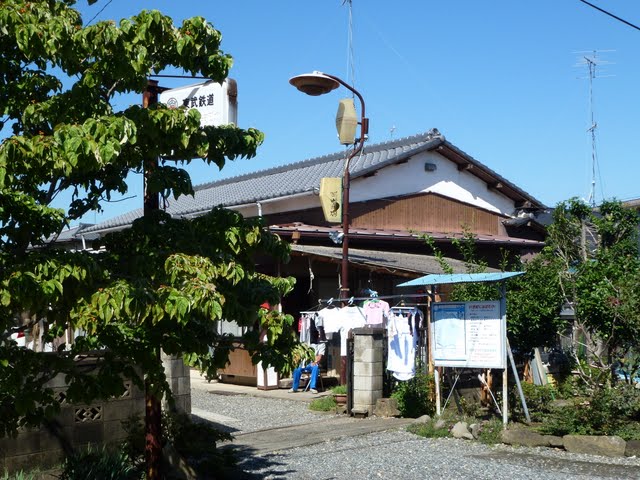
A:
x: 318, y: 83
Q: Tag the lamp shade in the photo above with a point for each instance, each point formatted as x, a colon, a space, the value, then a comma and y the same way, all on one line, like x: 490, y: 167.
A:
x: 314, y: 83
x: 346, y: 121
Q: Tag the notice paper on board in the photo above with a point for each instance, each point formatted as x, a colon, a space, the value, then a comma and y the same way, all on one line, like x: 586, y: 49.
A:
x: 468, y: 335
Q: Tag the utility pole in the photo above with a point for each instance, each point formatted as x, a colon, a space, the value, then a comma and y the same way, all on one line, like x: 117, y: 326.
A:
x: 153, y: 405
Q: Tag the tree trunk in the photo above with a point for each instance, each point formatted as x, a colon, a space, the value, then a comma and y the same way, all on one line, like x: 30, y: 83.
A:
x: 153, y: 434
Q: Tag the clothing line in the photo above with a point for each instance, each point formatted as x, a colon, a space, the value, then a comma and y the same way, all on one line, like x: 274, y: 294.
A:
x: 374, y: 298
x: 403, y: 325
x: 412, y: 305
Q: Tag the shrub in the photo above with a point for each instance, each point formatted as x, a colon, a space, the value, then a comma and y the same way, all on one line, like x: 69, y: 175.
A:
x: 99, y: 464
x: 323, y: 404
x: 571, y: 419
x: 609, y: 411
x: 539, y: 401
x: 414, y: 396
x: 628, y: 431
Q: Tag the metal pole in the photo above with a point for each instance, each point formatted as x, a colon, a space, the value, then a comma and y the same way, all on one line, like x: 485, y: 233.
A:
x: 346, y: 183
x: 515, y: 374
x: 505, y: 374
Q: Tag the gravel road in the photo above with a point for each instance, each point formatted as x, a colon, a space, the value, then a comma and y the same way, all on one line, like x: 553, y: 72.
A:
x: 394, y: 454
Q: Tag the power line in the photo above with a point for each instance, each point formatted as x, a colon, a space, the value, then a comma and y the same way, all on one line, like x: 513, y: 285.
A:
x: 101, y: 10
x: 610, y: 14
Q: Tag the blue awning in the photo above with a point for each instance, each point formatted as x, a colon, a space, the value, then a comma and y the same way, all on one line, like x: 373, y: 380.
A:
x: 438, y: 279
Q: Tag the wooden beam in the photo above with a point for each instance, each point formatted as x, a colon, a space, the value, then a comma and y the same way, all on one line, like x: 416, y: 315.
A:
x: 465, y: 167
x: 524, y: 204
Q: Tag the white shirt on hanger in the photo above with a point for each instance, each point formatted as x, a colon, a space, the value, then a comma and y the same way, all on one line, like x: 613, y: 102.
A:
x: 402, y: 337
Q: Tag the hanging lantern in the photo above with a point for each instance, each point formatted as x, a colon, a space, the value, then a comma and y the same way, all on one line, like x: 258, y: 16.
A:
x: 346, y: 121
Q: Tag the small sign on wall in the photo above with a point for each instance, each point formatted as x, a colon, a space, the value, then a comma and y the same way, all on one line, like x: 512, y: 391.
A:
x: 331, y: 198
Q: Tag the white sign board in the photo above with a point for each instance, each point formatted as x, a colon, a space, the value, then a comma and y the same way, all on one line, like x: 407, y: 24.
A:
x: 468, y: 335
x: 217, y: 103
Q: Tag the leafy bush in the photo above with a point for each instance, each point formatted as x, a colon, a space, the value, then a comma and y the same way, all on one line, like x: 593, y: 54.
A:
x: 539, y: 401
x: 415, y: 396
x: 629, y: 431
x: 99, y: 464
x: 609, y: 411
x: 323, y: 404
x: 571, y: 419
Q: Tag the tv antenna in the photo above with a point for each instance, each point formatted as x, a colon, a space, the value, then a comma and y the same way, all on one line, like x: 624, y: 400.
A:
x: 351, y: 71
x: 591, y: 61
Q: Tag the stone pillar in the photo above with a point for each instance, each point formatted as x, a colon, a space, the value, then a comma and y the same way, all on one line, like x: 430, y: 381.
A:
x: 368, y: 369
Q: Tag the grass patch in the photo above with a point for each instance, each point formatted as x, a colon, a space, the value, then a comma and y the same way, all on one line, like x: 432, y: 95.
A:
x: 428, y: 430
x: 21, y: 475
x: 323, y: 404
x: 490, y: 431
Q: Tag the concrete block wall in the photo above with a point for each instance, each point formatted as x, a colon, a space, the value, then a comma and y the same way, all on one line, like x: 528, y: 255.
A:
x: 76, y: 426
x: 179, y: 378
x: 81, y: 425
x: 368, y: 368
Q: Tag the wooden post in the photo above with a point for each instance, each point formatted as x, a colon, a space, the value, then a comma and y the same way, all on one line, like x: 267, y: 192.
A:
x: 436, y: 376
x: 429, y: 331
x: 505, y: 374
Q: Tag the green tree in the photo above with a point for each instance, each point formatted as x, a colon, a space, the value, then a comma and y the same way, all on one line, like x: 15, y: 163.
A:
x: 533, y: 300
x: 600, y: 278
x: 161, y: 285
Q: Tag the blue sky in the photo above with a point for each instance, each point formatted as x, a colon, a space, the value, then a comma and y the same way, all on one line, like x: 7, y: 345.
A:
x: 498, y: 79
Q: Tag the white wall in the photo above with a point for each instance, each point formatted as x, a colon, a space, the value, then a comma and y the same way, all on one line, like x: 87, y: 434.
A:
x: 404, y: 179
x: 446, y: 180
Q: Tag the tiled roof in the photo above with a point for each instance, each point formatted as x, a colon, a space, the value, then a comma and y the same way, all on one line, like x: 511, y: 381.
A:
x: 74, y: 234
x: 300, y: 177
x: 397, y: 262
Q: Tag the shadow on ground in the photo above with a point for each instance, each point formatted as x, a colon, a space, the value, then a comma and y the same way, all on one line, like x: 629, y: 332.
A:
x: 252, y: 466
x: 570, y: 467
x: 218, y: 426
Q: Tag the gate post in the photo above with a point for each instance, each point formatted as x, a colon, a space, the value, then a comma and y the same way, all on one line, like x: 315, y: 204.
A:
x: 368, y: 370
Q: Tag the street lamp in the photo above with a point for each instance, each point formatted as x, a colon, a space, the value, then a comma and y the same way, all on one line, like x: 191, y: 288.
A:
x: 318, y: 83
